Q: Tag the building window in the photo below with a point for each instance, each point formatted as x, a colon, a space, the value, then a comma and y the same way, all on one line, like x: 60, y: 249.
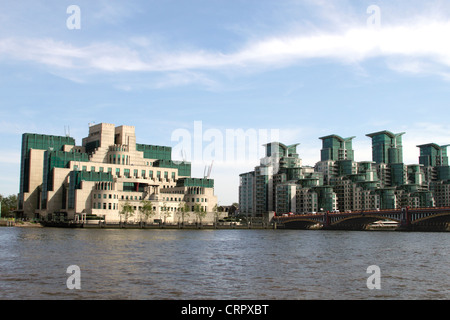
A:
x: 104, y: 206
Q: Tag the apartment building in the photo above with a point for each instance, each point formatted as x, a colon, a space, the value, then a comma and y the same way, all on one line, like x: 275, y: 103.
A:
x: 339, y: 183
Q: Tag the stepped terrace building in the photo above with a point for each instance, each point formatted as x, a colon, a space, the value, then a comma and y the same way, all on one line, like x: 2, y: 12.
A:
x: 109, y: 170
x: 338, y: 183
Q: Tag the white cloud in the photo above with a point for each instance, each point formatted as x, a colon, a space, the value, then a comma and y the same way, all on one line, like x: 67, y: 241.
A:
x: 423, y: 46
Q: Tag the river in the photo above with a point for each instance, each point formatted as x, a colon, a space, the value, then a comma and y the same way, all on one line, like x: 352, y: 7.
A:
x: 222, y: 264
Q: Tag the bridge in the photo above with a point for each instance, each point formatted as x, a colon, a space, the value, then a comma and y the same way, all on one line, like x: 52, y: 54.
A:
x: 408, y: 219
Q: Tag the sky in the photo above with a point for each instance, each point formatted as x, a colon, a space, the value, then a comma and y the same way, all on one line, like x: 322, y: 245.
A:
x: 201, y: 76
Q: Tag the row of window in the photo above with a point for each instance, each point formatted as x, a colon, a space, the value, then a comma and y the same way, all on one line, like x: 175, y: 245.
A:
x: 127, y: 173
x: 104, y: 206
x: 125, y: 159
x: 115, y: 206
x: 113, y: 196
x: 179, y: 199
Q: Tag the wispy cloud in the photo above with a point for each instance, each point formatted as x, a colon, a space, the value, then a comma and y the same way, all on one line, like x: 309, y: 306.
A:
x: 421, y: 47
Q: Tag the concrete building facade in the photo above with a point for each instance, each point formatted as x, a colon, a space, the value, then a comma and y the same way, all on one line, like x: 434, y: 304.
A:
x: 110, y: 170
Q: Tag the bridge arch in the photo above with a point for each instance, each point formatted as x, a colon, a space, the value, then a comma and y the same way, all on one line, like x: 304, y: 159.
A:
x: 420, y: 219
x: 357, y: 222
x: 430, y: 222
x: 302, y: 223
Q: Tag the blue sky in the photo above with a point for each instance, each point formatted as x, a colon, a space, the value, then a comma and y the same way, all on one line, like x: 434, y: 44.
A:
x: 302, y: 68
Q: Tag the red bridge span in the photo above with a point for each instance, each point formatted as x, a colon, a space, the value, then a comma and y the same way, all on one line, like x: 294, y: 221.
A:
x: 408, y: 219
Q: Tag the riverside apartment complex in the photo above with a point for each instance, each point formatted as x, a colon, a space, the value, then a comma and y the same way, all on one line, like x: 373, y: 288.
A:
x: 338, y: 183
x: 110, y: 169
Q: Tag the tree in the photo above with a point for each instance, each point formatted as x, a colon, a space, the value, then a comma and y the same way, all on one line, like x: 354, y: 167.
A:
x: 216, y: 213
x: 146, y: 209
x: 8, y: 204
x: 179, y: 212
x: 127, y: 211
x: 184, y: 210
x: 166, y: 212
x: 199, y: 212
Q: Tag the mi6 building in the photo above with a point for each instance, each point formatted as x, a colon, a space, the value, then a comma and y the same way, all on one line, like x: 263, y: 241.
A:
x: 108, y: 171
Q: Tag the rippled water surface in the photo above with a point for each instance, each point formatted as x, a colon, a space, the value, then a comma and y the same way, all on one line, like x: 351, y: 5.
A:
x: 222, y: 264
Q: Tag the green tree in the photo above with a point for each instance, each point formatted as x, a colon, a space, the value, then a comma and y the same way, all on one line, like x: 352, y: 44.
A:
x: 146, y: 210
x: 166, y: 212
x: 8, y: 204
x: 199, y: 212
x: 127, y: 211
x: 184, y: 210
x: 179, y: 213
x: 216, y: 213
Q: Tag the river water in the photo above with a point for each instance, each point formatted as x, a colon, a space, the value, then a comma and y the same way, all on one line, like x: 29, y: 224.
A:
x: 222, y: 264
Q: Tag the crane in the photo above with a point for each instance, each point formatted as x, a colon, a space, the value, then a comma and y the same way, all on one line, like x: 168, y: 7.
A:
x: 206, y: 176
